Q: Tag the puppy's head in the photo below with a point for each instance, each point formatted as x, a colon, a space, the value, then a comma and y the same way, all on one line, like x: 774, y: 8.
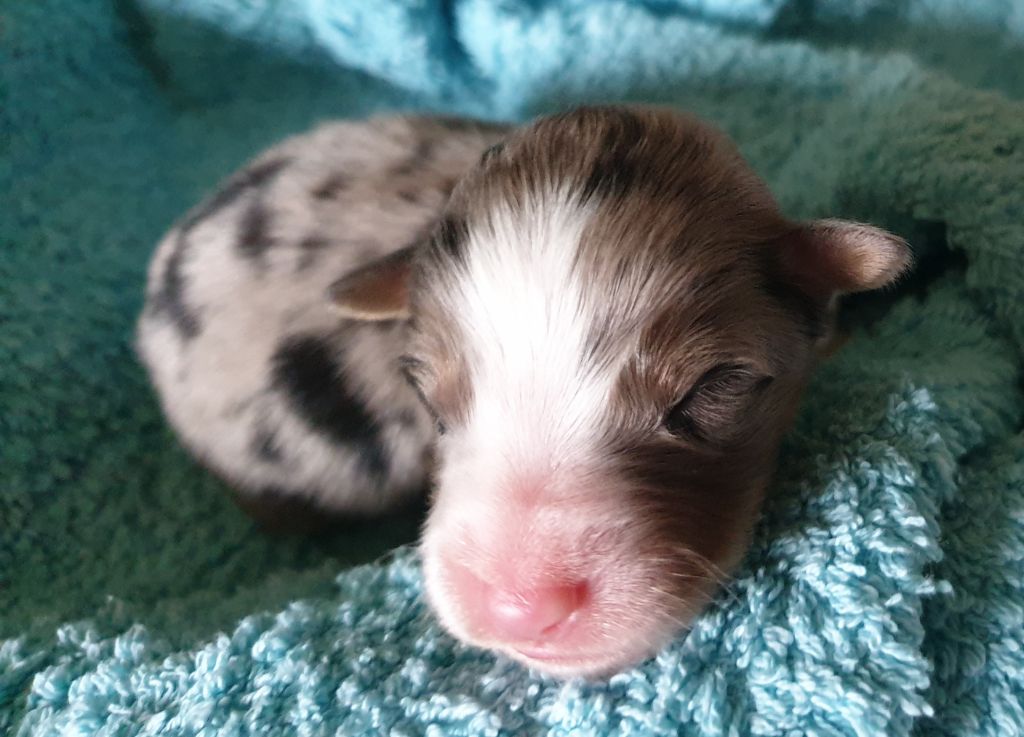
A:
x: 612, y: 325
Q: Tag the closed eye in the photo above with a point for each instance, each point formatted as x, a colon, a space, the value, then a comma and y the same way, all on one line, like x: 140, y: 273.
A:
x: 714, y: 403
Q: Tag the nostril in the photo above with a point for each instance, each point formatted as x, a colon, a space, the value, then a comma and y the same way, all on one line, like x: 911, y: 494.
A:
x: 531, y: 614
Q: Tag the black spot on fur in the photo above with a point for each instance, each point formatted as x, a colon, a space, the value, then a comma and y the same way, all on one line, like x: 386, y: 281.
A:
x: 169, y: 299
x: 408, y: 196
x: 254, y: 239
x: 330, y: 187
x: 266, y: 446
x: 310, y: 375
x: 418, y: 161
x: 313, y: 243
x: 449, y: 235
x: 255, y: 176
x: 310, y: 248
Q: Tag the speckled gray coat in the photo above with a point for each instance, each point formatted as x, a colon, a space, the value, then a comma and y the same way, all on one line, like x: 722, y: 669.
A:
x: 260, y: 379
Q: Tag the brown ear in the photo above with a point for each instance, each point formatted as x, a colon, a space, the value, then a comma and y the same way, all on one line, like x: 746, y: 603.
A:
x: 829, y: 257
x: 375, y: 292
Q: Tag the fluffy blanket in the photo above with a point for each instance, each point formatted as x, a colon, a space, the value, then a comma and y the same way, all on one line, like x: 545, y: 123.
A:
x: 883, y: 594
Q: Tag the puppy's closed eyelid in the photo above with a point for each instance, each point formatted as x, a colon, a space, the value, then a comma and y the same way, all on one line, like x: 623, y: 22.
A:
x: 736, y: 377
x: 715, y: 398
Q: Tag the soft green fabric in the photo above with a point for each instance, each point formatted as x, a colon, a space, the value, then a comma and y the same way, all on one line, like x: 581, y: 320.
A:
x: 884, y: 593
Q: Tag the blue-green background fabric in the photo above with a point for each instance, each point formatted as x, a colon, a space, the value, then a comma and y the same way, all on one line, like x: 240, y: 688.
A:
x: 884, y: 594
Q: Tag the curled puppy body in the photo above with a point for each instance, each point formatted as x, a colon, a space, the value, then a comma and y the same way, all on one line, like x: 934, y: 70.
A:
x: 302, y: 413
x: 612, y: 325
x: 610, y: 322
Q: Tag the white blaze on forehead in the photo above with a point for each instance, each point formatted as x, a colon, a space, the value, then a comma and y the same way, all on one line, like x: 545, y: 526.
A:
x: 522, y: 305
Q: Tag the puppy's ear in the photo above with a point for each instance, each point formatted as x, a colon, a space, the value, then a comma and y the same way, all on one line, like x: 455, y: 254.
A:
x: 826, y: 258
x: 375, y: 292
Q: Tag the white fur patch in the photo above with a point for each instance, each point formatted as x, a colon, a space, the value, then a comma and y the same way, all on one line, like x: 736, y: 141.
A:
x: 539, y: 407
x: 524, y: 316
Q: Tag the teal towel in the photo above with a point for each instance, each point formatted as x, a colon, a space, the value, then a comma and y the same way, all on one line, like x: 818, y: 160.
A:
x: 884, y: 593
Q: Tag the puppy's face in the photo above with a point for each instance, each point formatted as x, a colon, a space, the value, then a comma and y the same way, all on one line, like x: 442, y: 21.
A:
x: 612, y: 326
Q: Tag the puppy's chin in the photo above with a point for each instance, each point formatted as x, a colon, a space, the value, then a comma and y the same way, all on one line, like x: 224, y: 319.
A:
x: 565, y: 663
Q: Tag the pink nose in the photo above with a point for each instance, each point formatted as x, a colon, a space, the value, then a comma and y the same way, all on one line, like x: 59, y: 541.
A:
x: 532, y: 614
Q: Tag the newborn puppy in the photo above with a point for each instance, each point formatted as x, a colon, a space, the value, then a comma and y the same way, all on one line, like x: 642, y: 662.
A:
x: 609, y: 323
x: 611, y: 327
